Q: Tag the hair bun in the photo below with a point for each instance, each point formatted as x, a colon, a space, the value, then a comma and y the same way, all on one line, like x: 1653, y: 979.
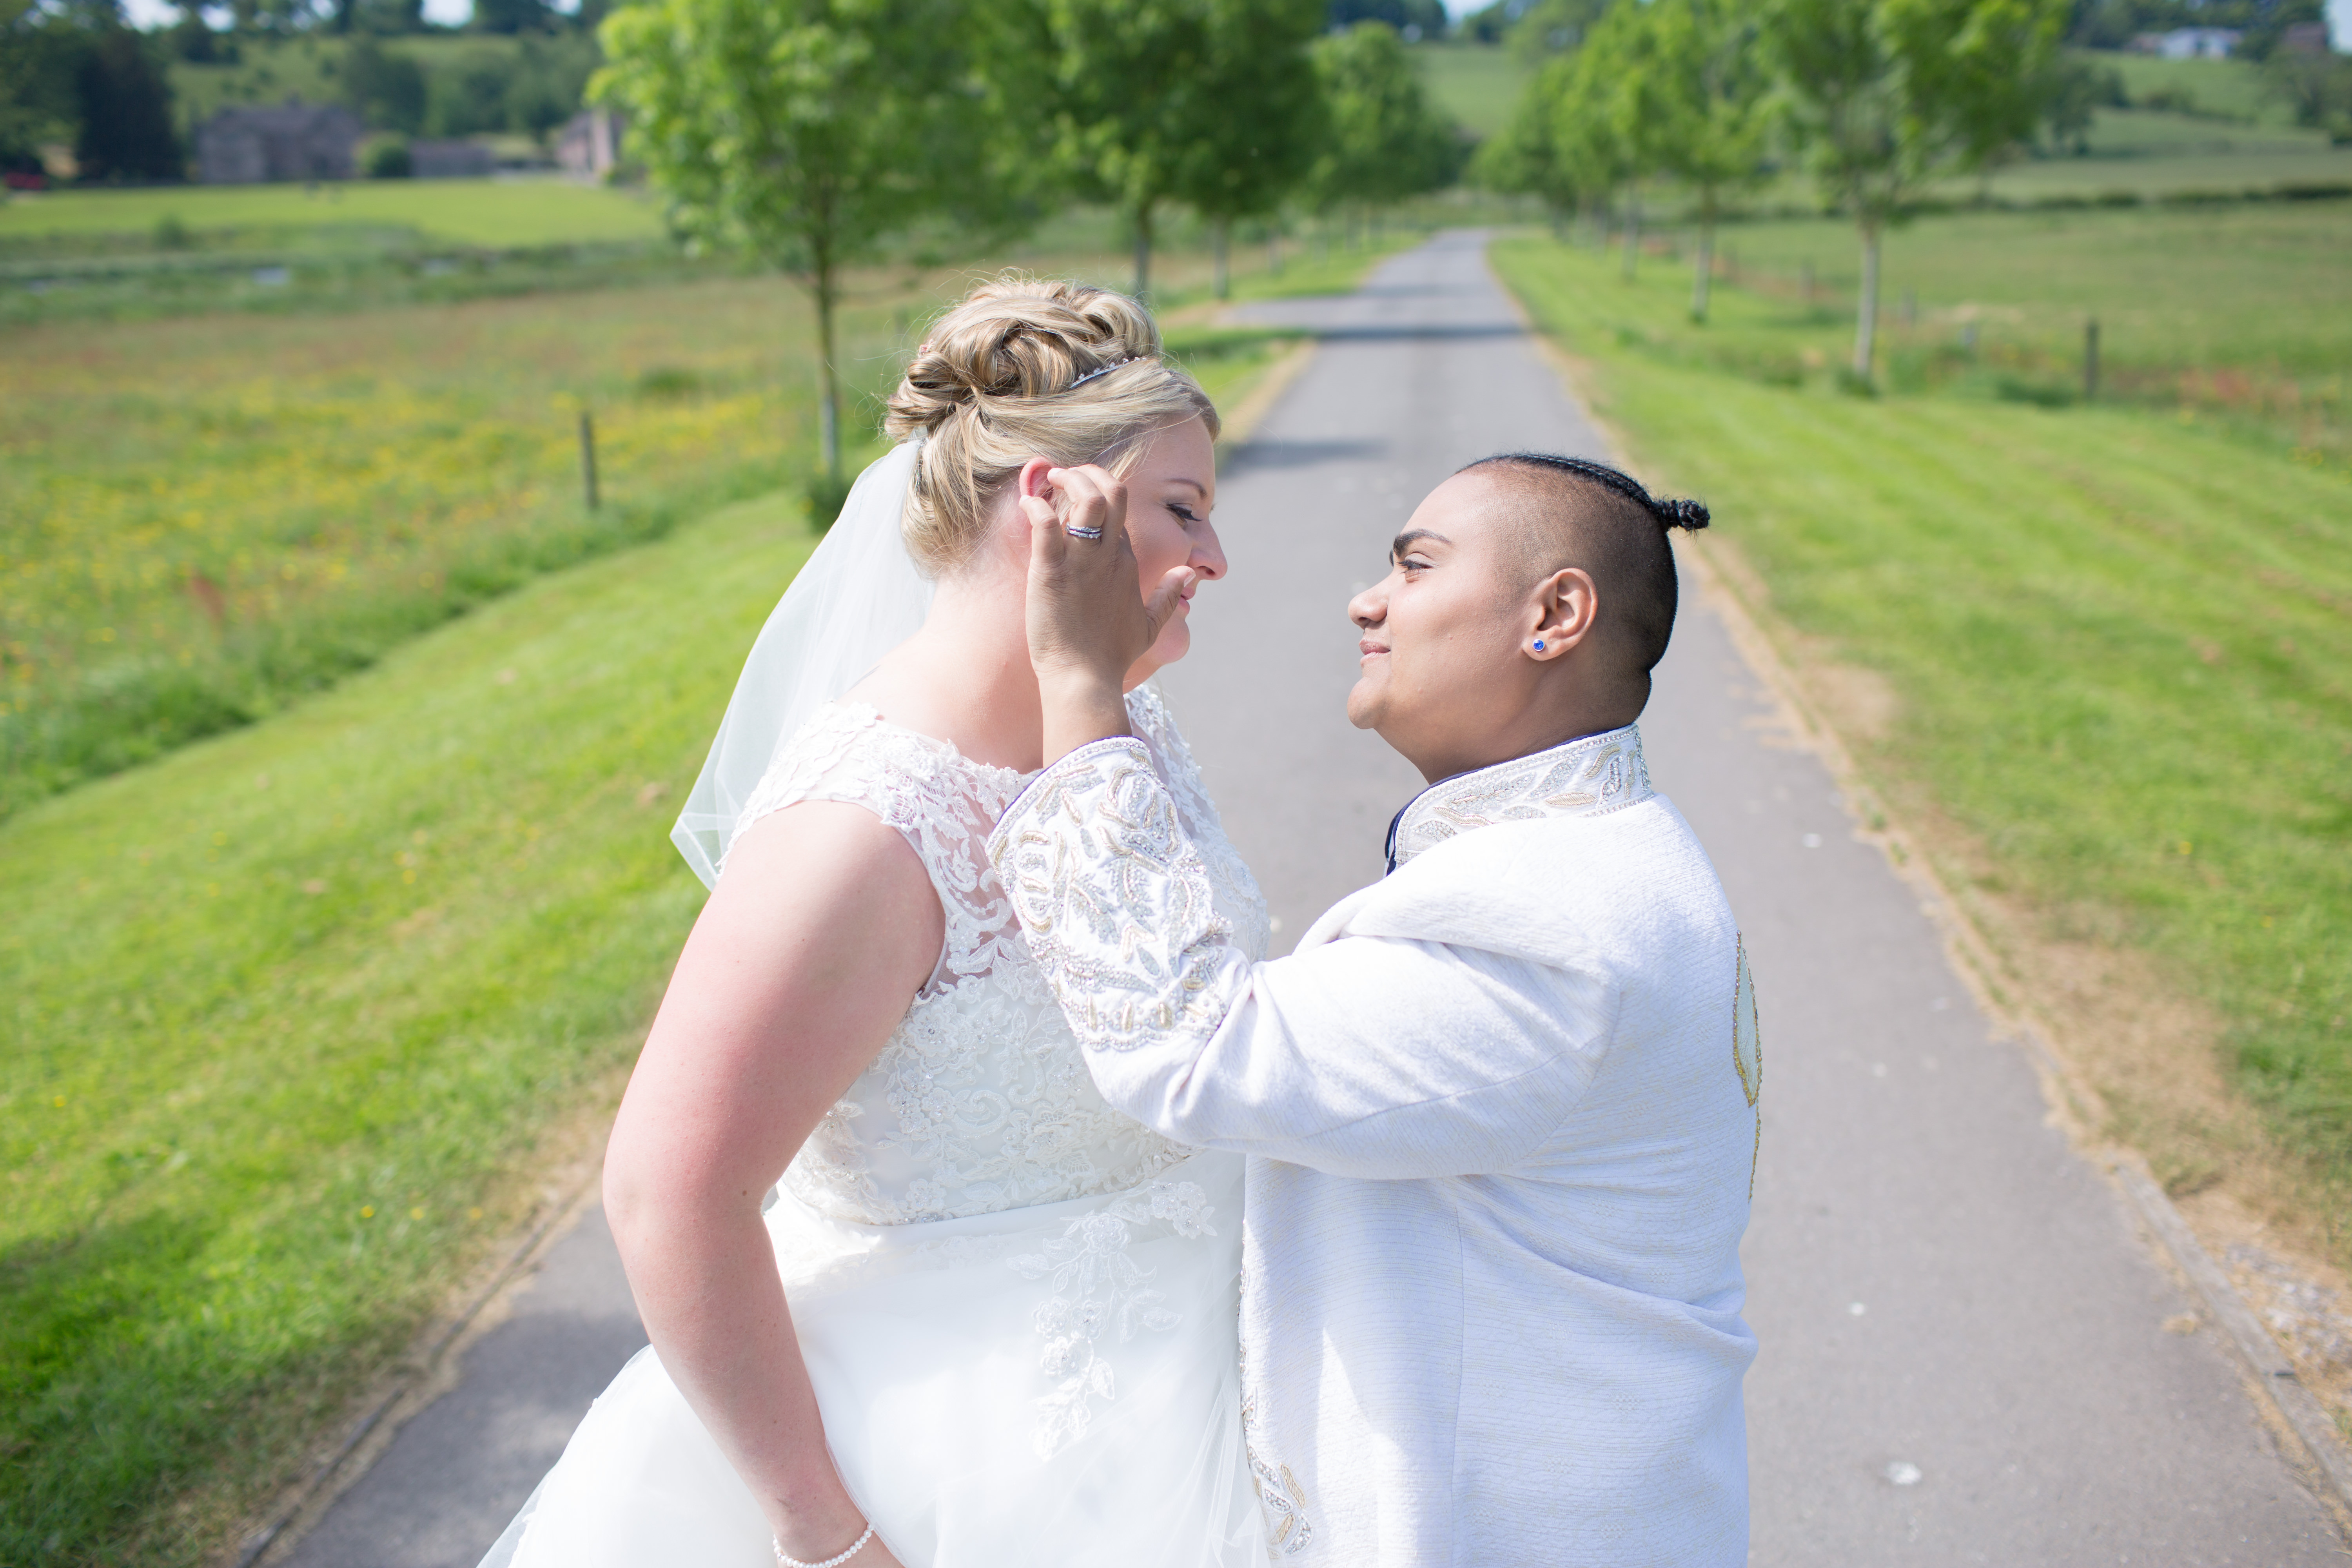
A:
x: 1689, y: 514
x: 1017, y: 337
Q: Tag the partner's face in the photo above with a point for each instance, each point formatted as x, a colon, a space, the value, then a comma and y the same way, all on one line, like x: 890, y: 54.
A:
x: 1167, y: 500
x: 1440, y: 641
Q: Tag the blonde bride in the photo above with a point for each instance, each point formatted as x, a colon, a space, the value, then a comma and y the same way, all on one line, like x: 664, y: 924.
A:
x: 915, y: 1293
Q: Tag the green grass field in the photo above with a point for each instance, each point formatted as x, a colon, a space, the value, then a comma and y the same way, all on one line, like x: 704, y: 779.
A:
x: 1477, y: 84
x: 298, y: 1000
x: 533, y: 211
x: 2117, y: 637
x: 205, y: 516
x: 2226, y: 313
x: 2232, y: 90
x: 290, y: 1006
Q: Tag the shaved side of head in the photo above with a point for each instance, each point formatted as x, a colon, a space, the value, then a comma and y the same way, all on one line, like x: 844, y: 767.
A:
x: 1569, y: 512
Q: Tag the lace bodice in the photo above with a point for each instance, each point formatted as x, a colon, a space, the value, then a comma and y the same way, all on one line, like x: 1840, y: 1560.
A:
x: 979, y: 1102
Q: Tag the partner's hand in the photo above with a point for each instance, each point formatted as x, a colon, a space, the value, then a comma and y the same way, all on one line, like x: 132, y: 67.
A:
x: 1088, y: 621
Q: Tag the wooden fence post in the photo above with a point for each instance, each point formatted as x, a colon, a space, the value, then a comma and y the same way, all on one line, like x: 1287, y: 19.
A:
x: 588, y: 458
x: 2091, y: 360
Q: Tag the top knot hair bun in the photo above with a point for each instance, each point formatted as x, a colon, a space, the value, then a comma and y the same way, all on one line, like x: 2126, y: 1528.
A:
x: 1018, y: 338
x: 1026, y: 367
x: 1688, y: 514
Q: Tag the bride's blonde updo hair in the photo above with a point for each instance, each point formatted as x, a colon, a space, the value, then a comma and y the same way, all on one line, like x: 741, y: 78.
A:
x: 1028, y: 368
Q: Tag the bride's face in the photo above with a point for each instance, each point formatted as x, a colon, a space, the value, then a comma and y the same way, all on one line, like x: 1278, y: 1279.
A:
x: 1169, y: 495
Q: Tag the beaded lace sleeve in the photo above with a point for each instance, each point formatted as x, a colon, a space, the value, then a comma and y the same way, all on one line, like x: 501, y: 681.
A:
x: 1238, y: 896
x: 1116, y: 902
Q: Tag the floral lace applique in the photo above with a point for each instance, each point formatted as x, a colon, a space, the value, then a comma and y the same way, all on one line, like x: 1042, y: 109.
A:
x: 1117, y: 901
x: 979, y: 1102
x: 1236, y: 890
x: 1099, y: 1288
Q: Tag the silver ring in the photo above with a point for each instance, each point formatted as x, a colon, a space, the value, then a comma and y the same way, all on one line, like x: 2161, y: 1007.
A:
x: 1089, y: 534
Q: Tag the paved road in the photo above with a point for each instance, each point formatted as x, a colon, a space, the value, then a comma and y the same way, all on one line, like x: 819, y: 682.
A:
x: 1943, y: 1291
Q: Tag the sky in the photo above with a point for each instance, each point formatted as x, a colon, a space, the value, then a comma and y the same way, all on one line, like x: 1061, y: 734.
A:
x: 449, y: 13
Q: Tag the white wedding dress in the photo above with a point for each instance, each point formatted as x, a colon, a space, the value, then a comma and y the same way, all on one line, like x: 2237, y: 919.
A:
x: 1017, y: 1305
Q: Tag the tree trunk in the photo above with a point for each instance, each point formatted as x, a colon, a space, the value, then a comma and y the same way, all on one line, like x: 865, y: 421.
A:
x: 1633, y: 232
x: 829, y: 401
x: 1866, y: 312
x: 1221, y: 234
x: 1703, y: 275
x: 1143, y: 254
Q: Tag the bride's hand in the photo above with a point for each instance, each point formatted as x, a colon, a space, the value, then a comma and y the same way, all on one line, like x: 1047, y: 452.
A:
x: 1088, y: 621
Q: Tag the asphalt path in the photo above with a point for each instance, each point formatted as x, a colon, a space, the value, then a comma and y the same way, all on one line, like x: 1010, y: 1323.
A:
x: 1963, y: 1357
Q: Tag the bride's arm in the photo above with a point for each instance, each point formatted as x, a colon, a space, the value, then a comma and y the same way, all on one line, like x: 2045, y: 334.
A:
x: 802, y: 964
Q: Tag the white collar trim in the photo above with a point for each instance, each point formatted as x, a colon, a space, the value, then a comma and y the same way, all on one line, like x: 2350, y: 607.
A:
x: 1589, y: 777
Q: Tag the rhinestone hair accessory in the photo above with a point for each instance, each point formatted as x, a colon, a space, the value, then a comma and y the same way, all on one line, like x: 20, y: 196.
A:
x: 1098, y: 369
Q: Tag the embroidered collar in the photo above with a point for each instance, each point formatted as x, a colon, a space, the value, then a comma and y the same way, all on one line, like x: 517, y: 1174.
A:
x: 1599, y: 773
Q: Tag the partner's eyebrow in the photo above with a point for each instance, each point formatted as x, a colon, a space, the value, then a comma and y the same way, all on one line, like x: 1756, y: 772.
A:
x: 1412, y: 536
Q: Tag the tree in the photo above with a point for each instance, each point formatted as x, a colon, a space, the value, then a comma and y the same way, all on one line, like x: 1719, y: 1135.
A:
x: 1253, y: 151
x: 1525, y: 157
x: 40, y: 56
x: 125, y: 103
x: 805, y: 131
x: 1605, y: 117
x: 1693, y: 85
x: 385, y: 89
x: 1386, y: 142
x: 2317, y: 86
x: 1126, y: 87
x: 1887, y: 95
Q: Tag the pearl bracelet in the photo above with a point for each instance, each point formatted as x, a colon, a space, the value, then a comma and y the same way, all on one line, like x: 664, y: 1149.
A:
x: 836, y: 1561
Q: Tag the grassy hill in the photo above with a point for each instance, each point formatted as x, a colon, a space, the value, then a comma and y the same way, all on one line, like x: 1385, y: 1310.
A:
x: 289, y: 1008
x: 489, y: 212
x: 2112, y: 640
x: 1475, y: 83
x: 296, y: 1006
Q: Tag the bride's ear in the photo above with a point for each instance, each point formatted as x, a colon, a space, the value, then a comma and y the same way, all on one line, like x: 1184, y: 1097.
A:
x: 1032, y: 477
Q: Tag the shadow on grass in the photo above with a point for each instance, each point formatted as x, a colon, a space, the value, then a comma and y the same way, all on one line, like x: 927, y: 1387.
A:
x: 119, y: 1357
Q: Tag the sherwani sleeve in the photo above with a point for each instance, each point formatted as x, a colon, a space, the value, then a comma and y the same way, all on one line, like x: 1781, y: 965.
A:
x: 1362, y: 1057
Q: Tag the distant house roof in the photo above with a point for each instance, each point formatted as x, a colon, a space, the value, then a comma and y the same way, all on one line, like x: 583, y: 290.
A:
x: 292, y: 140
x: 2190, y: 42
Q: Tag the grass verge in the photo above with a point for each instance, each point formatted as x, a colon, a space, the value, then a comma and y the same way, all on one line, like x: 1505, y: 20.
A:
x: 2108, y: 654
x: 497, y: 214
x: 296, y: 1004
x: 289, y: 1008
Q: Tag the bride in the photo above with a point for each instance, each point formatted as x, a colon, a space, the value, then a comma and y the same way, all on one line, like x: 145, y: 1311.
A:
x: 982, y: 1319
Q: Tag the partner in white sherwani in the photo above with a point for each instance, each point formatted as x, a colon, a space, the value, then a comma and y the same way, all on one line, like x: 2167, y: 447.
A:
x: 1500, y: 1107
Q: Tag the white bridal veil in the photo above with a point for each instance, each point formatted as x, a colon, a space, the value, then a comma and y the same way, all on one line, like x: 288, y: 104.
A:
x: 859, y: 597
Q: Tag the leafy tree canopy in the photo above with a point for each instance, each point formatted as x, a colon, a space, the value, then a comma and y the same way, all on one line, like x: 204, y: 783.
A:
x: 1386, y: 140
x: 806, y: 131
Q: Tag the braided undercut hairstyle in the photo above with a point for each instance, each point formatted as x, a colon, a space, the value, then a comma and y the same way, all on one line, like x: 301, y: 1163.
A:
x: 1577, y: 512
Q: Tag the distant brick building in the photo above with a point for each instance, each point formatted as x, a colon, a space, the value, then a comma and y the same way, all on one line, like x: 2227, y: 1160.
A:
x: 293, y: 140
x: 2190, y: 42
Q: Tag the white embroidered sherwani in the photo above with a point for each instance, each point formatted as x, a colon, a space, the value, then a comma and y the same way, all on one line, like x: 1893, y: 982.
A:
x: 1500, y: 1110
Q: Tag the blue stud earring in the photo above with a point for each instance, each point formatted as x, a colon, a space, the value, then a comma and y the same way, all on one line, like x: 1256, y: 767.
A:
x: 1540, y: 645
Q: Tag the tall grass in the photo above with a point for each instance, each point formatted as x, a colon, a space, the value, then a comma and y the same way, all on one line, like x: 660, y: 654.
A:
x: 201, y: 519
x: 288, y: 1009
x: 2121, y: 639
